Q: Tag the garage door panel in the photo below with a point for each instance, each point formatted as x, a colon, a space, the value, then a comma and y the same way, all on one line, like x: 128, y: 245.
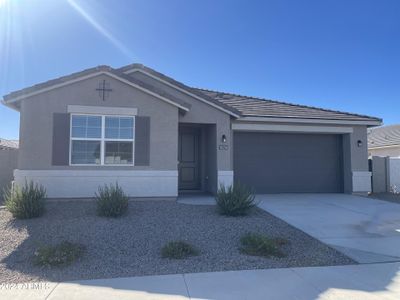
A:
x: 278, y: 163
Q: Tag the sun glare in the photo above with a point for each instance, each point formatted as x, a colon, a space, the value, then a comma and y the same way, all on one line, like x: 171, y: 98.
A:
x: 89, y: 17
x: 3, y: 2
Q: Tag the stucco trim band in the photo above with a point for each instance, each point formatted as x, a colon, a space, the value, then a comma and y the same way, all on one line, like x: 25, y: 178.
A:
x: 84, y: 183
x: 81, y: 109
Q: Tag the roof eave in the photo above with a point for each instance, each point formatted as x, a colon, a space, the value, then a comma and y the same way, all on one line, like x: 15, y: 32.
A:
x: 368, y: 123
x: 12, y: 105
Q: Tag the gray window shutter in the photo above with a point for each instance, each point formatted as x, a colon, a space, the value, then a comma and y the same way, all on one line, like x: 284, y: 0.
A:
x: 142, y: 141
x: 60, y: 151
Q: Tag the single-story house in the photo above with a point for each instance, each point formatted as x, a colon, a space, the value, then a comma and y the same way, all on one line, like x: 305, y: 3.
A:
x: 384, y: 141
x: 158, y: 137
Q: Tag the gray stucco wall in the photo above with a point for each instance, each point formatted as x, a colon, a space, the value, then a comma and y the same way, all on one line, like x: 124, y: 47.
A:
x: 8, y: 162
x: 347, y: 172
x: 359, y: 155
x: 201, y: 113
x: 37, y: 113
x: 355, y: 157
x: 211, y: 159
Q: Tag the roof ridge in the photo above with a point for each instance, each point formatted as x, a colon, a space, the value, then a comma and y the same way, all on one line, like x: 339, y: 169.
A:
x: 288, y: 103
x: 179, y: 84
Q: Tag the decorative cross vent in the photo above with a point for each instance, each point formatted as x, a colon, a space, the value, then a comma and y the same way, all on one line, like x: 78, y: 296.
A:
x: 104, y: 89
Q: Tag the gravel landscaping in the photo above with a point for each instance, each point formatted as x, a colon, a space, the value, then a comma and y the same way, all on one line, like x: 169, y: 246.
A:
x: 131, y: 245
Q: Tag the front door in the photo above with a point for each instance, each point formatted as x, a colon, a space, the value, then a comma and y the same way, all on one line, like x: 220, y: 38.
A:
x: 189, y: 158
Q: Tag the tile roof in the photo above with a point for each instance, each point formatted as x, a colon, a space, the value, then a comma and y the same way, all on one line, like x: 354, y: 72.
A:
x: 172, y: 81
x: 9, y: 144
x: 237, y: 105
x: 258, y: 107
x: 384, y: 136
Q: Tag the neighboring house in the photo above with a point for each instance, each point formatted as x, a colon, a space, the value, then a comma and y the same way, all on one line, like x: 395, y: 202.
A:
x: 384, y: 141
x: 8, y: 162
x: 158, y: 137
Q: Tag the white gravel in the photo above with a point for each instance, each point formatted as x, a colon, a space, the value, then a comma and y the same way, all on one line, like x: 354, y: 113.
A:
x: 130, y: 246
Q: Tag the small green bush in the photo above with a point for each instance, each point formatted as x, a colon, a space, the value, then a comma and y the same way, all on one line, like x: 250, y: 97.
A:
x: 260, y: 245
x: 62, y: 254
x: 27, y: 201
x: 178, y: 250
x: 111, y: 201
x: 235, y: 200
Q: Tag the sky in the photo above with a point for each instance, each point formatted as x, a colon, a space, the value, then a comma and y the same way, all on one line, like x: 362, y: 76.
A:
x: 342, y: 55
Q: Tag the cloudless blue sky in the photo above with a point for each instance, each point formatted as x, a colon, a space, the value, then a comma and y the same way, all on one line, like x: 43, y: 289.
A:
x: 343, y: 55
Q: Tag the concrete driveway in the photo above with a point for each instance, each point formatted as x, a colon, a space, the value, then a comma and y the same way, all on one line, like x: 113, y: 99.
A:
x: 367, y: 230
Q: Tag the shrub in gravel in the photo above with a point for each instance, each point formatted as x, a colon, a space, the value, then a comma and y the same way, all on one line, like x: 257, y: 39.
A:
x: 111, y: 201
x: 27, y: 201
x: 178, y: 250
x: 62, y: 254
x: 260, y: 245
x: 235, y: 200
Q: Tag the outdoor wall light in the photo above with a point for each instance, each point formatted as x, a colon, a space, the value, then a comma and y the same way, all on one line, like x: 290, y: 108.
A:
x: 359, y: 143
x: 223, y: 138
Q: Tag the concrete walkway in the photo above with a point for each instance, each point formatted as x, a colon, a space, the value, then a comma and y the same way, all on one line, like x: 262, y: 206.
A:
x: 370, y: 281
x: 196, y: 199
x: 368, y: 230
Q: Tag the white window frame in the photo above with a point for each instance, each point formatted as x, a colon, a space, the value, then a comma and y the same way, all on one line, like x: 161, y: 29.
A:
x: 102, y: 140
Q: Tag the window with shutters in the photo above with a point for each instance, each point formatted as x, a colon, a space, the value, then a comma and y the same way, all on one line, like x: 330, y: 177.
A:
x: 102, y: 140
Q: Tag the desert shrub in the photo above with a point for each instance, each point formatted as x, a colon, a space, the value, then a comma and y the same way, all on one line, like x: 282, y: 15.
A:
x: 260, y: 245
x: 111, y: 201
x: 27, y: 201
x: 178, y: 250
x: 62, y: 254
x: 235, y: 200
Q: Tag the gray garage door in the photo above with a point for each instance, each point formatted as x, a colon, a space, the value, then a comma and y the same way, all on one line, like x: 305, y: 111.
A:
x: 289, y: 163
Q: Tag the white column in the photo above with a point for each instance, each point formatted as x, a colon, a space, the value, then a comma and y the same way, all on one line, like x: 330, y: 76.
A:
x: 361, y: 182
x: 225, y: 178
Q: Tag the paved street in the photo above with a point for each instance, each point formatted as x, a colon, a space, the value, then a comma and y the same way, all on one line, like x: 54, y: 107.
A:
x: 364, y: 282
